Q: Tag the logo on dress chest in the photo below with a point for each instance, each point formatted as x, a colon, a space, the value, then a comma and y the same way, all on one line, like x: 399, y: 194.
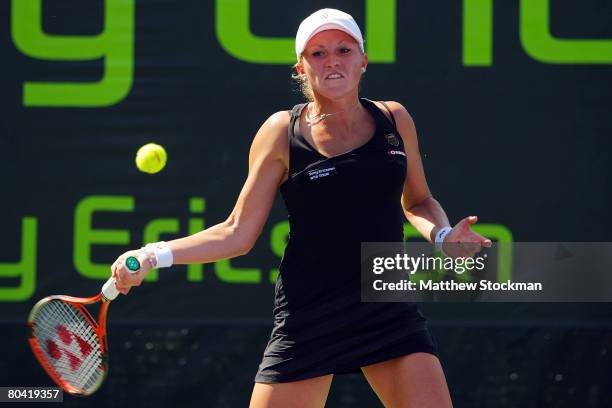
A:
x: 392, y: 139
x: 322, y: 172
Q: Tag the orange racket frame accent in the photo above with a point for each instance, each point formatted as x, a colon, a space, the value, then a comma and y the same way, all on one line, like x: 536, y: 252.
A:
x: 99, y: 328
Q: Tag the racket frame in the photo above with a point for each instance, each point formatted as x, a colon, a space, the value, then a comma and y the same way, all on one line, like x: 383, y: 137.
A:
x: 99, y: 328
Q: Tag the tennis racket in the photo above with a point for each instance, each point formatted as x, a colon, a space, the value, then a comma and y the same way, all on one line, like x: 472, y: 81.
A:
x: 68, y: 342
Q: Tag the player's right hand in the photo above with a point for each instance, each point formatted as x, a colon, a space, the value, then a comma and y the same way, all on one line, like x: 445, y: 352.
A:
x: 125, y: 279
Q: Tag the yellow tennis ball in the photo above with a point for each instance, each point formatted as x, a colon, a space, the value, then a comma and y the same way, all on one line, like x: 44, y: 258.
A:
x: 151, y: 158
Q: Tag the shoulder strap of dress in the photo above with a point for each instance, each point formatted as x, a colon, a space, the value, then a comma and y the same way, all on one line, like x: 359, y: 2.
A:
x: 292, y: 130
x: 294, y: 124
x: 380, y: 114
x: 390, y: 113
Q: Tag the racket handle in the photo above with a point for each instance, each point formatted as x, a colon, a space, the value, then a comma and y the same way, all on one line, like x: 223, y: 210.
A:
x: 109, y: 291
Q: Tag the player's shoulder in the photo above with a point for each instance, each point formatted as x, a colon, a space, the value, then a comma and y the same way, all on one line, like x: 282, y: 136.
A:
x: 279, y: 121
x: 272, y: 135
x: 276, y: 127
x: 403, y: 121
x: 275, y: 124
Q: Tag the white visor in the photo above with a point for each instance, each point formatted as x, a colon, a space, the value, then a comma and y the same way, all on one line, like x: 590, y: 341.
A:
x: 326, y: 19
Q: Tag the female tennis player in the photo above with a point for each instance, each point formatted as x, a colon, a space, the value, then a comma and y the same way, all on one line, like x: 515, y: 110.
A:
x: 347, y: 168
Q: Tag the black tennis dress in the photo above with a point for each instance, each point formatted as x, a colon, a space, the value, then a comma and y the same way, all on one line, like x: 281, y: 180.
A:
x: 335, y: 203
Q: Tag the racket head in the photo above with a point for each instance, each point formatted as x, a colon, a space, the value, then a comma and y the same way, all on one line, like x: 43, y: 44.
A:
x: 69, y: 344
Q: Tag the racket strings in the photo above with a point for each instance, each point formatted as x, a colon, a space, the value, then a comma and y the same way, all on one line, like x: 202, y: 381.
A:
x: 69, y: 344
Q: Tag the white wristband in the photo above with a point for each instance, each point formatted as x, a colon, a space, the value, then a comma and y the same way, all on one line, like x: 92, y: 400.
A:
x: 440, y: 237
x: 162, y: 253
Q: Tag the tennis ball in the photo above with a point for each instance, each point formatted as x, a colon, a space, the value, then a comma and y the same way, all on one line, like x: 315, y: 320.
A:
x: 151, y: 158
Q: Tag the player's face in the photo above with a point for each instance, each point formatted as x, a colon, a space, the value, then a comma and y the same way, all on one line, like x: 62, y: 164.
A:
x: 333, y: 63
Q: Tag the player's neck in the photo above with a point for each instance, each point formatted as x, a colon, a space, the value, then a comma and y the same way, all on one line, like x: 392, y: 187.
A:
x: 337, y: 110
x: 321, y: 104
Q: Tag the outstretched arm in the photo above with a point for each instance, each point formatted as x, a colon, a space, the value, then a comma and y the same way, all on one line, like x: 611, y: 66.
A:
x: 237, y: 234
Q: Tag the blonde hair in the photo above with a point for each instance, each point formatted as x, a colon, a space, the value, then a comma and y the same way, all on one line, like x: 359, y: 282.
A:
x: 302, y: 82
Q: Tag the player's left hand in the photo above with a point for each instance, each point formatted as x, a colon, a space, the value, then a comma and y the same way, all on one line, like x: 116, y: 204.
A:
x: 462, y: 242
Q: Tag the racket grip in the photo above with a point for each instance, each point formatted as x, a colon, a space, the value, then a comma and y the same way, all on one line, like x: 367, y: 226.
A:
x: 109, y: 291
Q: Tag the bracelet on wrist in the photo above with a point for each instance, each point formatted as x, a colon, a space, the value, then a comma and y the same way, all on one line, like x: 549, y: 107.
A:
x: 439, y: 239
